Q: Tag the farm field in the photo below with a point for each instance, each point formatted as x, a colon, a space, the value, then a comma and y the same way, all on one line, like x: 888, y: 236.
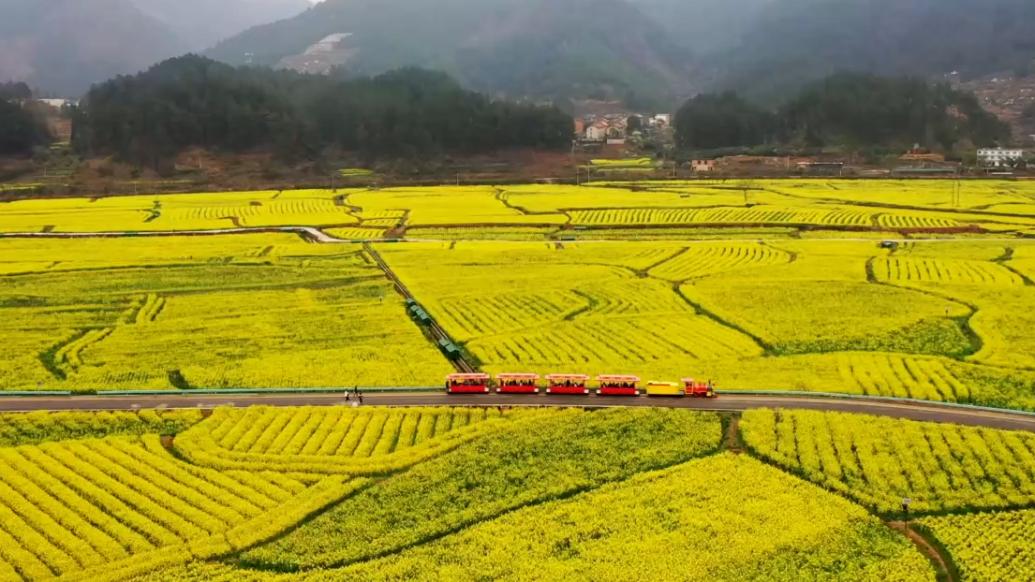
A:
x: 928, y: 320
x: 988, y: 546
x: 523, y: 494
x: 754, y: 284
x: 877, y: 461
x: 920, y: 290
x: 912, y: 208
x: 231, y: 311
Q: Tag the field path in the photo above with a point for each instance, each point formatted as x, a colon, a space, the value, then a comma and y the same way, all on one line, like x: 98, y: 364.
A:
x: 940, y: 560
x: 307, y: 232
x: 316, y: 235
x: 728, y: 402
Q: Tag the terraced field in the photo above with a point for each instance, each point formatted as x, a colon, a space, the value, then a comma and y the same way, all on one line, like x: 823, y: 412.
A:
x: 756, y: 284
x: 71, y: 506
x: 333, y: 441
x: 877, y: 288
x: 987, y: 546
x: 511, y: 494
x: 920, y: 320
x: 899, y: 376
x: 233, y: 311
x: 747, y: 216
x: 941, y: 271
x: 704, y: 259
x: 878, y: 462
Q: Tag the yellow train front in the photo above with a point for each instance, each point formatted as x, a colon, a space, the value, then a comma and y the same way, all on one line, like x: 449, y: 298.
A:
x: 668, y: 389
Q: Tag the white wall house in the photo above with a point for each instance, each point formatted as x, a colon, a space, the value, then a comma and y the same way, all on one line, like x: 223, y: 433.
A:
x: 999, y: 157
x: 596, y: 133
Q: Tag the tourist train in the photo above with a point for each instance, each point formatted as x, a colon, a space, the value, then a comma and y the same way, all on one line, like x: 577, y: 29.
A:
x: 575, y: 384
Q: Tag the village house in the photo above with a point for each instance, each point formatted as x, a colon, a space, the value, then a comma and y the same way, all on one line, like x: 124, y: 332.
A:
x: 999, y: 157
x: 597, y: 131
x: 920, y: 156
x: 660, y: 121
x: 702, y: 166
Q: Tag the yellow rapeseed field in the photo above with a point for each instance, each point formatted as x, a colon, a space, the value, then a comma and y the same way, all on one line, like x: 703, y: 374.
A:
x: 778, y: 284
x: 880, y: 461
x: 247, y: 311
x: 752, y: 512
x: 990, y: 547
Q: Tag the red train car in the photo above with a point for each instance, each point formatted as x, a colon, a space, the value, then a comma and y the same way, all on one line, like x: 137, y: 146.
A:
x: 467, y: 384
x: 567, y: 384
x: 517, y: 383
x: 697, y: 389
x: 618, y: 386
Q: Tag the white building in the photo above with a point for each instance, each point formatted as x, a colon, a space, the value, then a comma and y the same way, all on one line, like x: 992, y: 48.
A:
x: 999, y: 157
x: 660, y: 121
x: 56, y: 103
x: 703, y: 166
x: 596, y: 132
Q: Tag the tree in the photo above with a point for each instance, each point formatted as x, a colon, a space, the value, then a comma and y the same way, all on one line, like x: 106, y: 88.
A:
x: 15, y: 91
x: 854, y: 110
x: 634, y: 124
x: 860, y: 110
x: 1029, y: 113
x: 192, y: 101
x: 720, y: 121
x: 20, y: 129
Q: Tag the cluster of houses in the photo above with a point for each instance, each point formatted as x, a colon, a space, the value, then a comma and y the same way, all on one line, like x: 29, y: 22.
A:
x: 915, y: 162
x: 1000, y: 157
x: 617, y: 128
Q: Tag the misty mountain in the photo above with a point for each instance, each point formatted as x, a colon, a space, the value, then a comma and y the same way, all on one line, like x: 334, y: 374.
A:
x: 704, y: 26
x: 64, y: 46
x: 793, y: 42
x: 202, y: 23
x: 518, y: 48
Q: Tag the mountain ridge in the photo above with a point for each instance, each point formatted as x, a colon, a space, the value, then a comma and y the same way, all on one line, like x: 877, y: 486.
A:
x: 538, y: 49
x: 63, y: 46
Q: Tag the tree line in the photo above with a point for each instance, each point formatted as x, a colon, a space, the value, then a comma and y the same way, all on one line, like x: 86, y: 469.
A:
x: 847, y: 109
x: 22, y: 127
x: 192, y: 101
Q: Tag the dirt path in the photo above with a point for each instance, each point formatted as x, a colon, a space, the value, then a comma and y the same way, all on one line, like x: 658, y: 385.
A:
x: 941, y: 562
x: 731, y: 440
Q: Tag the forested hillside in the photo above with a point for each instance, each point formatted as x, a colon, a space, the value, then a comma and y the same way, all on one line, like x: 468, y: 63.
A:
x: 852, y: 110
x: 550, y: 49
x: 795, y: 41
x: 192, y: 101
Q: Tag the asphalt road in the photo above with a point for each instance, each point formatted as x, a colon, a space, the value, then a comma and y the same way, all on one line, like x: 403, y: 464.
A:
x: 932, y: 412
